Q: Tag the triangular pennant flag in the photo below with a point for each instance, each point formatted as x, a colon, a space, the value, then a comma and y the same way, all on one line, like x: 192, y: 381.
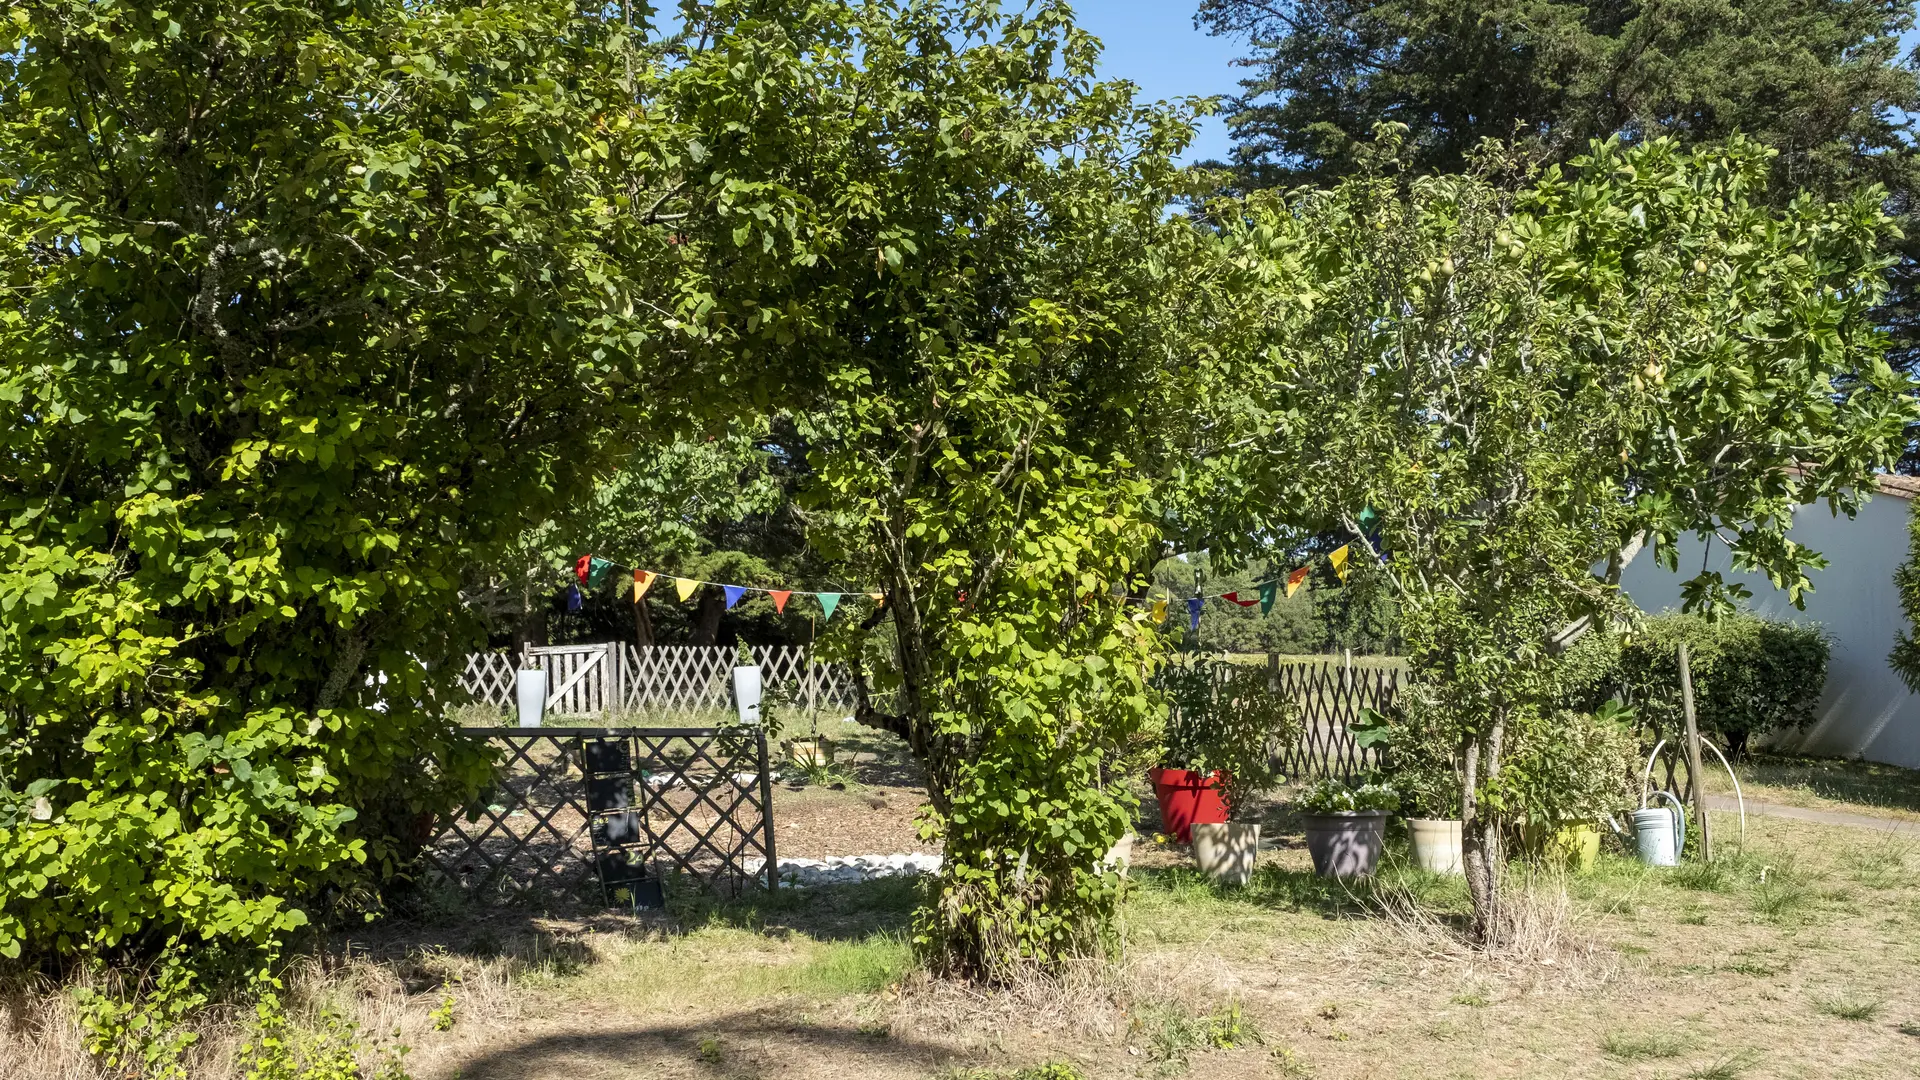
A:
x: 1338, y: 557
x: 573, y: 598
x: 1159, y: 611
x: 1193, y: 614
x: 642, y: 581
x: 780, y: 597
x: 1297, y: 578
x: 1368, y: 515
x: 879, y: 599
x: 734, y: 593
x: 598, y: 570
x: 580, y: 567
x: 685, y: 587
x: 1234, y: 598
x: 828, y: 601
x: 1268, y: 591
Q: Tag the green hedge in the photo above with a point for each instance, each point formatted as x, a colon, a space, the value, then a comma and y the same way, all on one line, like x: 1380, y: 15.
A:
x: 1750, y: 675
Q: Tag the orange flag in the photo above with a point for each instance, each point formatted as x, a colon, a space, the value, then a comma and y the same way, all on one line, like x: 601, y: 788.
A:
x: 1295, y: 579
x: 780, y: 598
x: 642, y: 581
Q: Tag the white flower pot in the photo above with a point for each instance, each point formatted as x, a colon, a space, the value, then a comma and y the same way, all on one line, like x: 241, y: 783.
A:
x: 1225, y: 851
x: 1436, y: 844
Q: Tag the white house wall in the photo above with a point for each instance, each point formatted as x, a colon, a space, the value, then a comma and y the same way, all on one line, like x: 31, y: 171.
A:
x: 1866, y: 710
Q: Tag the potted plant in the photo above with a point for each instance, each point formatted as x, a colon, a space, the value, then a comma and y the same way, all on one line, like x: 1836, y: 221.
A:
x: 1239, y: 741
x: 1185, y: 784
x: 1420, y: 759
x: 1346, y: 826
x: 1569, y: 772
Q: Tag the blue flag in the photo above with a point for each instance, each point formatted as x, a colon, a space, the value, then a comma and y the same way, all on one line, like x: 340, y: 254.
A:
x: 734, y: 593
x: 1193, y: 614
x: 573, y: 598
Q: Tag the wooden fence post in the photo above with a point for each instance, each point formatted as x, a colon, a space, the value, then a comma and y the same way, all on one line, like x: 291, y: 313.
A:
x: 1696, y: 789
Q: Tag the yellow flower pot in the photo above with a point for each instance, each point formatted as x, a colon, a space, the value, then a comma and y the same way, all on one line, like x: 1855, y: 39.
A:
x: 1572, y: 846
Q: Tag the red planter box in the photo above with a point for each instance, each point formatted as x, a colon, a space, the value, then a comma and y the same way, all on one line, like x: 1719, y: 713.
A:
x: 1186, y: 799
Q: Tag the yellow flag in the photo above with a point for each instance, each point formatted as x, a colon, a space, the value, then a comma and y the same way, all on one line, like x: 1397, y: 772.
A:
x: 1338, y: 557
x: 642, y: 581
x: 1159, y: 611
x: 685, y: 586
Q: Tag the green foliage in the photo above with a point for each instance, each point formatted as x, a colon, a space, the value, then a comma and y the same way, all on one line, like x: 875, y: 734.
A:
x: 1751, y: 675
x: 1174, y: 1035
x: 1336, y: 797
x: 1227, y: 718
x: 1905, y: 656
x: 1422, y: 755
x: 965, y: 271
x: 1542, y: 373
x: 1325, y: 615
x: 1569, y: 767
x: 332, y: 1048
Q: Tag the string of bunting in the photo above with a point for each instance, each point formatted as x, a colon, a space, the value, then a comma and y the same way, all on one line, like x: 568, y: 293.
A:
x: 594, y: 573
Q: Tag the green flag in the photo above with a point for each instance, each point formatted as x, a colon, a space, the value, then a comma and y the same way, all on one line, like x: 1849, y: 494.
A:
x: 828, y: 601
x: 597, y: 571
x: 1268, y: 590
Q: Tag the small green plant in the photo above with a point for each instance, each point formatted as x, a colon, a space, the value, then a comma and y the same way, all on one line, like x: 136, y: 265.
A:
x: 711, y: 1050
x: 1173, y: 1034
x: 1288, y: 1063
x: 1053, y: 1070
x: 1333, y: 797
x: 1726, y: 1068
x: 1629, y: 1046
x: 1231, y: 1028
x: 1850, y: 1008
x: 442, y: 1015
x: 1473, y: 1000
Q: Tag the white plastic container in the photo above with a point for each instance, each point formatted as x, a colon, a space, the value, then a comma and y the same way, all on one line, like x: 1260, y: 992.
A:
x: 531, y: 690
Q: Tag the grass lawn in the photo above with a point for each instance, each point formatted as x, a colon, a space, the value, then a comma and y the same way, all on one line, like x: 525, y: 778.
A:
x: 1792, y: 957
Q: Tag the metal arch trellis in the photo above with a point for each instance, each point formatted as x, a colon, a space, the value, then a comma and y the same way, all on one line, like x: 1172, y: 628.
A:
x: 694, y: 802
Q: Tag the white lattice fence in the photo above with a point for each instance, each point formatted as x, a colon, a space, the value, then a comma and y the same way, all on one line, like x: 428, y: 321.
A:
x: 664, y: 678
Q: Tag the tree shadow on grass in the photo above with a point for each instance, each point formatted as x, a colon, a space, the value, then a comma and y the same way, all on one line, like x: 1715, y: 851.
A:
x: 752, y: 1043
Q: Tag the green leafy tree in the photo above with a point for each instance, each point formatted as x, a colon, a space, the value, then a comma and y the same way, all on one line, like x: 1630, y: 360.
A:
x: 311, y: 308
x: 1530, y: 380
x: 976, y: 295
x: 1826, y: 83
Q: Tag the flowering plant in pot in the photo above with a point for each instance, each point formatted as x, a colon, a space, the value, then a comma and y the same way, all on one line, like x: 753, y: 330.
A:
x: 1346, y: 825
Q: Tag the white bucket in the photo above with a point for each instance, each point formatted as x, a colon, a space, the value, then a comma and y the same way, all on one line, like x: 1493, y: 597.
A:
x: 531, y: 689
x: 1436, y: 844
x: 746, y: 693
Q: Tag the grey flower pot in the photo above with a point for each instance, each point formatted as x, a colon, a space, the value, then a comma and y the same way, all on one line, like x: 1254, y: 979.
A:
x: 1346, y: 843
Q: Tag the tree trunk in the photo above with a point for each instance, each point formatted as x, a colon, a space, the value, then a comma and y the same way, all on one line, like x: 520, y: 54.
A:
x: 642, y: 624
x: 1480, y: 831
x: 706, y: 621
x: 532, y: 628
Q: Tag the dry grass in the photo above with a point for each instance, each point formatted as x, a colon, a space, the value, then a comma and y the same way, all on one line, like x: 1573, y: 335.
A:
x: 1542, y: 940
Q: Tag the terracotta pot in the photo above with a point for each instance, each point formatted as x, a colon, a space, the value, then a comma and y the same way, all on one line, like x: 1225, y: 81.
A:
x: 1225, y: 851
x: 1346, y: 843
x: 1436, y: 844
x: 1186, y: 799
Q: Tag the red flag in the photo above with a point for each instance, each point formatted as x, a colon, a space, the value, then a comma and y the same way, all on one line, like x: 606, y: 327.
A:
x: 580, y: 568
x: 779, y: 598
x: 1234, y: 598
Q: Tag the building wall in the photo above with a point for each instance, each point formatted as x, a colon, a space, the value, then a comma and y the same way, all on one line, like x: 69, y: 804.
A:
x: 1866, y: 710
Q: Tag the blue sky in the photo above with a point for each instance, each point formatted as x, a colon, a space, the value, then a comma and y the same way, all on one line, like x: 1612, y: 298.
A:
x: 1155, y: 45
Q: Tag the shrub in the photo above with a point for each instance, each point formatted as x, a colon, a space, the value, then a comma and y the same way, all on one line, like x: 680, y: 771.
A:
x: 1228, y: 718
x: 1571, y: 766
x: 1751, y: 675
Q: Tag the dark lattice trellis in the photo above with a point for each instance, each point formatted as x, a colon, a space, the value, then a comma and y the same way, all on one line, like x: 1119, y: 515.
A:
x: 1330, y: 695
x: 593, y: 812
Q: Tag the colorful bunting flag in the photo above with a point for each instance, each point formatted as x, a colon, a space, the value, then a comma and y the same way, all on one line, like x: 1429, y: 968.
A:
x: 1368, y: 515
x: 879, y: 599
x: 598, y: 570
x: 780, y: 598
x: 1338, y: 557
x: 1159, y: 611
x: 642, y: 581
x: 685, y: 587
x: 828, y: 601
x: 1193, y: 614
x: 574, y: 600
x: 1268, y: 591
x: 1234, y: 598
x: 734, y: 593
x: 580, y: 567
x: 1297, y: 578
